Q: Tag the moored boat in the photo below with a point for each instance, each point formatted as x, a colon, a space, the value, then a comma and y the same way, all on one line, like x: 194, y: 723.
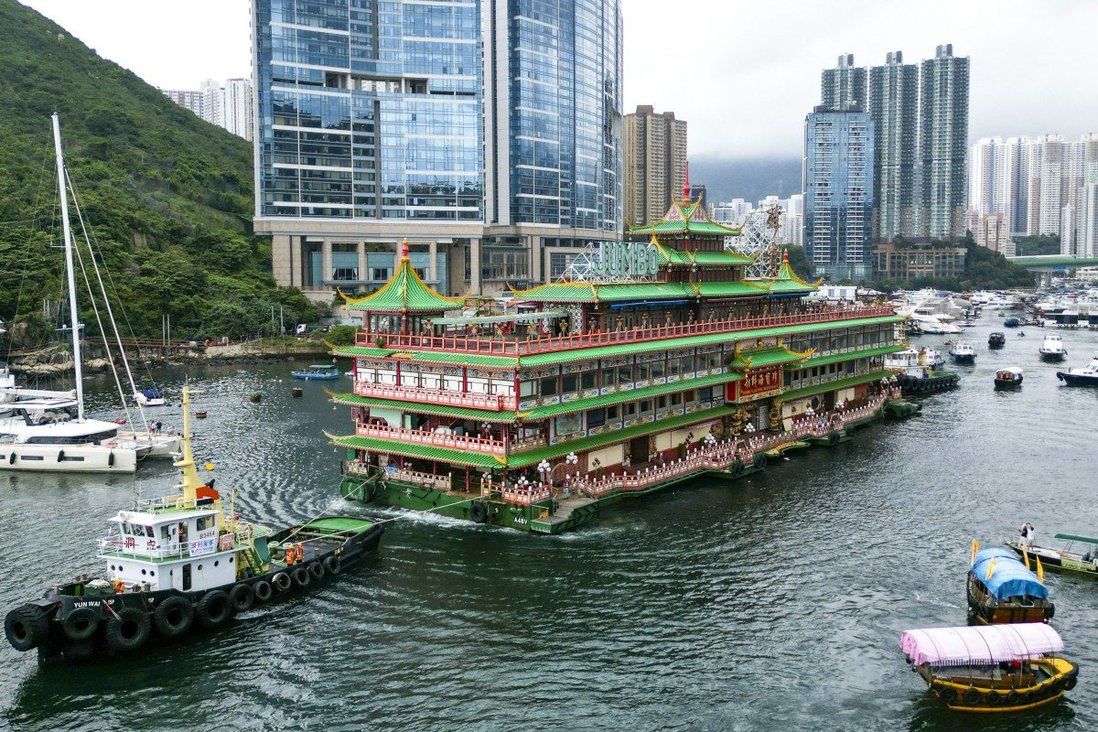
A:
x: 149, y: 397
x: 1052, y: 348
x: 1001, y: 590
x: 1085, y: 376
x: 179, y: 562
x: 1063, y: 559
x: 916, y: 372
x: 1008, y: 378
x: 996, y: 340
x: 999, y: 668
x: 318, y: 372
x: 963, y: 352
x: 1012, y: 322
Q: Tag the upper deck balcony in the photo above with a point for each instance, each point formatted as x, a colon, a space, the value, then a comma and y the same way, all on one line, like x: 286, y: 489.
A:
x: 503, y: 345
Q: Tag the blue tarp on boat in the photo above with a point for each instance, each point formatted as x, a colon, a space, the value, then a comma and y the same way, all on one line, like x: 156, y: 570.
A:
x: 1010, y: 577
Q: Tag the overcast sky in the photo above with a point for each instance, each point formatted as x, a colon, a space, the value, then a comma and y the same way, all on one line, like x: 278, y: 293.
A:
x: 743, y: 74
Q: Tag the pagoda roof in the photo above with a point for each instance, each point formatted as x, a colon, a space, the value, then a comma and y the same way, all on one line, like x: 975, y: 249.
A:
x: 756, y: 358
x: 685, y: 217
x: 405, y: 292
x: 678, y: 257
x: 787, y: 282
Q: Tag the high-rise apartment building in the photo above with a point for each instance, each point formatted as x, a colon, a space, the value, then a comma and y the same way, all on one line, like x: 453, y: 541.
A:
x: 228, y: 105
x: 894, y: 108
x: 486, y: 133
x: 838, y: 183
x: 943, y: 142
x: 654, y: 157
x: 843, y: 87
x: 732, y: 212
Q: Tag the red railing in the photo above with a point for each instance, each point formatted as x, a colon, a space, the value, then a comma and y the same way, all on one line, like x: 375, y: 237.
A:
x: 491, y: 402
x: 435, y: 439
x: 503, y: 346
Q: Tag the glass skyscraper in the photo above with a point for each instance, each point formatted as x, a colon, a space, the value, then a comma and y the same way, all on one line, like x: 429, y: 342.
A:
x: 445, y: 122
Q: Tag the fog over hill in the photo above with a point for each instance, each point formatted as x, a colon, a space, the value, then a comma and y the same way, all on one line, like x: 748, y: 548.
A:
x: 748, y: 178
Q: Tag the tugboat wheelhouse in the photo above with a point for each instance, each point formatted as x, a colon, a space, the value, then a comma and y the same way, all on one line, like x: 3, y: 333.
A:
x: 579, y: 393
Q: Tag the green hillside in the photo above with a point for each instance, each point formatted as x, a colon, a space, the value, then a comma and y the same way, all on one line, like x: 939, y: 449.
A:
x: 168, y: 195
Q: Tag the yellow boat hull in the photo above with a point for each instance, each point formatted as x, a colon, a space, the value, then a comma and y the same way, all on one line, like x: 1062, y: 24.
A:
x: 1060, y: 676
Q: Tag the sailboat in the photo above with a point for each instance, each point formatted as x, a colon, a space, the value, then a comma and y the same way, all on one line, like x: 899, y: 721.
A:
x: 48, y: 431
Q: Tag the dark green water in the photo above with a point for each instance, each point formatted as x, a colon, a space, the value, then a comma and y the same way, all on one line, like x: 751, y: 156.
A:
x: 772, y: 603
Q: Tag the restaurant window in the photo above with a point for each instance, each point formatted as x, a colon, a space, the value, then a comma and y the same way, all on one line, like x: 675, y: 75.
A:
x: 527, y: 388
x: 596, y: 418
x: 569, y: 383
x: 548, y: 386
x: 625, y: 375
x: 589, y: 379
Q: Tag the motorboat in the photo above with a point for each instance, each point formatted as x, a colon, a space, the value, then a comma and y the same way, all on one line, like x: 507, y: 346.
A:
x: 1002, y: 590
x: 997, y: 339
x: 1012, y: 322
x: 149, y: 397
x: 995, y: 668
x: 1066, y: 559
x: 1085, y: 376
x: 1008, y: 378
x: 934, y: 324
x: 1052, y: 348
x: 963, y: 352
x: 318, y: 372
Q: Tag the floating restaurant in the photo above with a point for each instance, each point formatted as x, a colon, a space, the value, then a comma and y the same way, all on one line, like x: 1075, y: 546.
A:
x: 659, y: 362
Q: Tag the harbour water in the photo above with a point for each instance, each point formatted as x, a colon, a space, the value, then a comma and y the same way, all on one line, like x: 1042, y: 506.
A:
x: 774, y: 602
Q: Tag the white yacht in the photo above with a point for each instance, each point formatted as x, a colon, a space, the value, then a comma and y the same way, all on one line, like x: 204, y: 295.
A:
x: 963, y: 352
x: 1052, y: 348
x: 933, y: 324
x: 1085, y: 376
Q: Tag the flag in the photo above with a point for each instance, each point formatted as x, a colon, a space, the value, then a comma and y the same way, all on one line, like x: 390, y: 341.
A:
x: 975, y: 548
x: 1040, y: 570
x: 990, y: 569
x: 1025, y: 557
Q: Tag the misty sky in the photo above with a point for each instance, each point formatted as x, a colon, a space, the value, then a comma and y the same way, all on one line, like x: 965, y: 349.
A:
x: 743, y: 74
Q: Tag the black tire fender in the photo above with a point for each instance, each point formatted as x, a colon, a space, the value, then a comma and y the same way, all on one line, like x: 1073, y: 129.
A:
x: 947, y: 694
x: 26, y: 627
x: 332, y: 564
x: 214, y: 609
x: 173, y: 616
x: 736, y: 468
x: 1071, y: 682
x: 242, y: 596
x: 316, y: 569
x: 972, y: 697
x: 81, y: 623
x: 282, y: 581
x: 128, y: 631
x: 478, y: 512
x: 262, y: 590
x: 300, y: 576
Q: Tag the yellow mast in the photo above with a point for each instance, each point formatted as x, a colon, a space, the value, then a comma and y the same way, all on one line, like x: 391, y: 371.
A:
x: 191, y: 481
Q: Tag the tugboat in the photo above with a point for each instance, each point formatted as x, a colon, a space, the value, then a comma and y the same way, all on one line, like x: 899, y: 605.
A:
x: 1052, y: 348
x: 916, y: 372
x: 1002, y: 590
x: 1086, y: 376
x: 1008, y: 378
x: 180, y: 563
x: 963, y: 352
x: 998, y: 668
x: 996, y: 340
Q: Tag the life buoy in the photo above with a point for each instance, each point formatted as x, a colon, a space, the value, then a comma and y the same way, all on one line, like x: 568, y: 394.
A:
x: 128, y: 631
x: 243, y: 597
x: 972, y: 697
x: 173, y: 616
x: 282, y: 581
x: 478, y: 512
x: 332, y: 564
x: 316, y: 569
x: 736, y: 468
x: 25, y: 628
x: 81, y: 623
x: 263, y: 590
x: 300, y: 576
x: 214, y: 608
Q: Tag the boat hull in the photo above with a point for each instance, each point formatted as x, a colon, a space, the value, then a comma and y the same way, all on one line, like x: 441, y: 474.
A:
x: 1004, y: 384
x: 964, y: 358
x: 1052, y: 356
x: 962, y: 694
x: 1071, y: 379
x: 1053, y: 559
x: 54, y: 611
x: 40, y: 458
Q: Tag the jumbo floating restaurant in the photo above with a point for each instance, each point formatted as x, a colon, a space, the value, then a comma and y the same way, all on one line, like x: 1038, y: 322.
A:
x: 586, y: 392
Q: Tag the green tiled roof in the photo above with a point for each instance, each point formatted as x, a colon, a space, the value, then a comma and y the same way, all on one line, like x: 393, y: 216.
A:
x: 765, y: 357
x: 683, y: 218
x: 840, y: 357
x: 668, y: 255
x: 530, y: 457
x: 718, y: 258
x: 426, y: 452
x: 830, y: 386
x: 404, y: 292
x: 440, y: 410
x: 579, y: 405
x: 744, y: 288
x: 787, y: 281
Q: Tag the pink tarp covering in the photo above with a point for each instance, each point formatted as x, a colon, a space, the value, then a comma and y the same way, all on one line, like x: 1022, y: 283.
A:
x: 979, y: 645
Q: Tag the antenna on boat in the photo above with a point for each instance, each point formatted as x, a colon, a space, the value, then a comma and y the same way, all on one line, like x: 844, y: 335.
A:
x: 191, y: 481
x: 67, y: 233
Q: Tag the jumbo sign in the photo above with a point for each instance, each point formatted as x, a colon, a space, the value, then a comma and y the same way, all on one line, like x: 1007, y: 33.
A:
x: 626, y: 259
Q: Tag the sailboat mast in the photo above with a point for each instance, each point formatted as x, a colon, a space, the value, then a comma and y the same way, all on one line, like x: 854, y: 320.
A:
x: 74, y: 318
